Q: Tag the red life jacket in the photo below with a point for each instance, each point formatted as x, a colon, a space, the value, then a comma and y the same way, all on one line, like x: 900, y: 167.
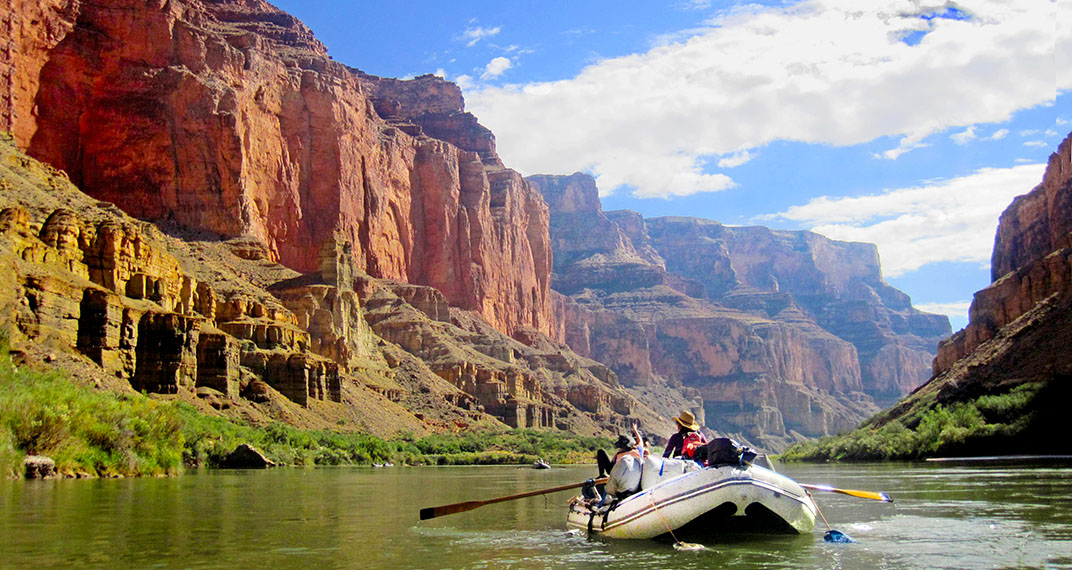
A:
x: 691, y: 442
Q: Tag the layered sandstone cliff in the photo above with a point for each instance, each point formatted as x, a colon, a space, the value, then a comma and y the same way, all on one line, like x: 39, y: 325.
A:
x: 777, y: 335
x: 1032, y: 260
x: 300, y: 200
x: 836, y: 285
x: 228, y: 117
x: 1014, y: 350
x: 217, y: 323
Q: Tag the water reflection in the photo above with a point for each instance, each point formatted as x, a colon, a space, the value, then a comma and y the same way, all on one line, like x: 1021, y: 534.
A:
x: 944, y: 517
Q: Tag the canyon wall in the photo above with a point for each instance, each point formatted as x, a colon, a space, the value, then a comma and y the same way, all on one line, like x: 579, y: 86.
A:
x: 230, y: 119
x: 91, y: 281
x: 1010, y: 366
x: 1032, y: 260
x: 837, y: 285
x: 312, y: 244
x: 775, y: 336
x: 120, y: 304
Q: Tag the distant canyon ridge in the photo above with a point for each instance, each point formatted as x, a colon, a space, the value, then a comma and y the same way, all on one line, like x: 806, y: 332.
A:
x: 198, y: 202
x: 779, y: 334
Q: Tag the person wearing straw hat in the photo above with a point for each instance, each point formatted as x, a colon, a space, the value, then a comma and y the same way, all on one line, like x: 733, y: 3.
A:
x: 687, y: 438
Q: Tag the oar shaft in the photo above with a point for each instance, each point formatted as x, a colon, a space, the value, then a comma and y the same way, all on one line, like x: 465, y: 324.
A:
x: 432, y: 512
x: 541, y: 492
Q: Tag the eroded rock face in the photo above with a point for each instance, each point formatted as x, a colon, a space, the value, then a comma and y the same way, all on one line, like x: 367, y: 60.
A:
x: 91, y: 280
x: 220, y: 324
x: 129, y: 306
x: 1039, y: 222
x: 779, y: 334
x: 530, y: 381
x: 1032, y: 260
x: 228, y: 117
x: 790, y: 275
x: 591, y: 251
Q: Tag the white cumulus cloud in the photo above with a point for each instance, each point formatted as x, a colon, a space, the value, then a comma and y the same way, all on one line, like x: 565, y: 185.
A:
x: 496, y: 67
x: 943, y: 220
x: 965, y: 136
x: 1063, y: 44
x: 734, y: 160
x: 819, y: 71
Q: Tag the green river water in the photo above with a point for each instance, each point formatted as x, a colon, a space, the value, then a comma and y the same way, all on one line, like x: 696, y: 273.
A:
x: 945, y: 516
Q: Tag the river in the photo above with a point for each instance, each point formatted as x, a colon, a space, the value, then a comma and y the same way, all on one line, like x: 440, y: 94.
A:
x: 945, y: 516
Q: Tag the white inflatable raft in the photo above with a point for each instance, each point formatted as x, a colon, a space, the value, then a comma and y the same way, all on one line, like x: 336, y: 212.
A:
x: 681, y: 498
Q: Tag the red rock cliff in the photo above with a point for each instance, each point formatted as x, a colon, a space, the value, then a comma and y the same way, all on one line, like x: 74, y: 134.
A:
x: 648, y: 298
x: 1032, y: 260
x: 228, y: 117
x: 836, y: 285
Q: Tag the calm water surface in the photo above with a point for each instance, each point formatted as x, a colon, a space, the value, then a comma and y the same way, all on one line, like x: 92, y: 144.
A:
x: 944, y: 517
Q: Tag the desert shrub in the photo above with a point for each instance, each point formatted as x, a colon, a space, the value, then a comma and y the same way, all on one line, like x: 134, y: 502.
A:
x: 9, y: 458
x: 509, y: 446
x: 84, y: 430
x: 210, y: 439
x: 959, y: 427
x: 1009, y: 407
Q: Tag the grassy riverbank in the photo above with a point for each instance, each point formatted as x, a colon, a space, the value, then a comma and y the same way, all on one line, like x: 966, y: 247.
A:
x: 208, y: 439
x: 99, y: 433
x: 83, y: 430
x: 987, y: 425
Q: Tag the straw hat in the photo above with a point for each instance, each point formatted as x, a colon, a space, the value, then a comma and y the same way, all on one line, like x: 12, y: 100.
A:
x: 686, y: 420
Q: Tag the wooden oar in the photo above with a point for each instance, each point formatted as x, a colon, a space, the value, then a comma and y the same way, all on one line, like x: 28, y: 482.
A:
x: 852, y: 492
x: 432, y: 512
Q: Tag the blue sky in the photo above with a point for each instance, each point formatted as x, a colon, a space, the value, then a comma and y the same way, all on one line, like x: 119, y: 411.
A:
x: 906, y: 123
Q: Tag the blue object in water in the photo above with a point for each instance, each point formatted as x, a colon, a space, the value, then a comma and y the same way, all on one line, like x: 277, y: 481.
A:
x: 837, y: 536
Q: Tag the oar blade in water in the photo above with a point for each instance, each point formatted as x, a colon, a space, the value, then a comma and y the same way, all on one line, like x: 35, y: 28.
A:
x: 837, y: 537
x: 432, y: 512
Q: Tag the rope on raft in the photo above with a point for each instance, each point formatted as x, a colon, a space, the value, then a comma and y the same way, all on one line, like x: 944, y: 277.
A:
x: 678, y: 545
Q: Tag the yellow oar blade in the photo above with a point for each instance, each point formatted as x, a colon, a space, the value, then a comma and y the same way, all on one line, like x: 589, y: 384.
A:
x: 875, y: 496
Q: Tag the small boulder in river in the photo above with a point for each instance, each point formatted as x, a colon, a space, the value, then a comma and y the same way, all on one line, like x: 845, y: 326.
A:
x: 246, y: 456
x: 39, y: 467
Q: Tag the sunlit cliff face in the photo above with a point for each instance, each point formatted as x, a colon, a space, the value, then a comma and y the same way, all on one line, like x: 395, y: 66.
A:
x: 229, y: 118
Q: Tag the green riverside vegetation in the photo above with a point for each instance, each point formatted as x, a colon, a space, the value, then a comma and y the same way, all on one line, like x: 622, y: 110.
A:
x: 208, y: 439
x: 99, y: 433
x: 84, y: 430
x: 980, y: 426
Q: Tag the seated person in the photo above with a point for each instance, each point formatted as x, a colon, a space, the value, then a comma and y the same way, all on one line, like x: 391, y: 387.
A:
x: 624, y: 447
x: 604, y: 462
x: 687, y: 440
